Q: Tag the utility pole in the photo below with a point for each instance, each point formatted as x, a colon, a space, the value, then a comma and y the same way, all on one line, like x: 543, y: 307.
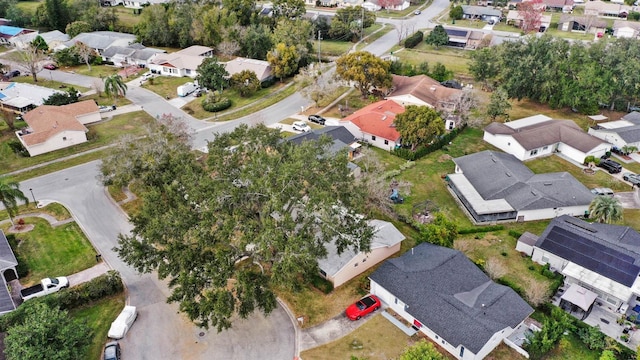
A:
x: 319, y: 41
x: 362, y: 25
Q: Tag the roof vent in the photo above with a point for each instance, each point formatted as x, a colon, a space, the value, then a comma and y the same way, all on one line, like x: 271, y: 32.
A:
x: 433, y: 88
x: 548, y: 184
x: 508, y: 174
x: 384, y: 117
x: 534, y: 193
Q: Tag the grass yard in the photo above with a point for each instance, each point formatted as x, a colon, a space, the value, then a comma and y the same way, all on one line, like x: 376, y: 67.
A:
x: 454, y: 59
x: 97, y: 71
x: 4, y: 48
x: 98, y: 316
x: 53, y: 167
x: 47, y: 251
x: 351, y: 103
x: 29, y: 7
x: 571, y: 347
x: 100, y: 134
x: 126, y: 18
x: 103, y: 99
x: 255, y: 106
x: 166, y: 86
x: 557, y: 164
x: 54, y: 209
x: 44, y: 81
x: 380, y: 339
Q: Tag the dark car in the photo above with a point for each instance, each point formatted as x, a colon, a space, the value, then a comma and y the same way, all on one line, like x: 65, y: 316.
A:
x: 363, y: 307
x: 112, y: 351
x: 14, y: 73
x: 611, y: 166
x: 50, y: 66
x: 317, y: 119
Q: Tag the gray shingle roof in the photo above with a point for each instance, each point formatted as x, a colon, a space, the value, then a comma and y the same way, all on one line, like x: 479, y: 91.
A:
x: 609, y: 250
x: 447, y: 293
x: 341, y: 136
x: 511, y: 180
x: 101, y: 40
x: 480, y: 10
x: 633, y: 116
x: 7, y: 258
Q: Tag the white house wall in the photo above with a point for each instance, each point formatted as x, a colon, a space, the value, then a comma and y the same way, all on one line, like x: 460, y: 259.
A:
x: 408, y: 99
x: 610, y: 137
x: 362, y: 262
x: 495, y: 340
x: 378, y: 142
x: 541, y: 214
x: 505, y: 143
x: 58, y: 141
x: 625, y: 32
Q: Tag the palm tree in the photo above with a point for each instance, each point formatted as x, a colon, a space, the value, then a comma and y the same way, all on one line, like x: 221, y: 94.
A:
x: 605, y: 209
x: 9, y: 195
x: 114, y: 86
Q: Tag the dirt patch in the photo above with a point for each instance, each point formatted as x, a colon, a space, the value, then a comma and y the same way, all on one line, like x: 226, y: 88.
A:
x: 18, y: 229
x: 128, y: 127
x: 444, y: 158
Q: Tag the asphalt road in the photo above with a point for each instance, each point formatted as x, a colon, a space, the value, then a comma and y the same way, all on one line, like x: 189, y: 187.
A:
x: 160, y: 331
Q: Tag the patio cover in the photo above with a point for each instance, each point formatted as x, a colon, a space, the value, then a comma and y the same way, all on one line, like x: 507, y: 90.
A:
x: 580, y: 296
x: 598, y: 117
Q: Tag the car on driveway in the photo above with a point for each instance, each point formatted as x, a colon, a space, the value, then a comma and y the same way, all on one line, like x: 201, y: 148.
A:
x: 301, y: 126
x: 632, y: 178
x: 112, y: 351
x: 123, y: 322
x: 362, y: 307
x: 50, y: 66
x: 106, y: 108
x: 317, y: 119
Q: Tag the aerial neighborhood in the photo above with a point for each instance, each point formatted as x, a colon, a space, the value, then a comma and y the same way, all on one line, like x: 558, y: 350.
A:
x: 320, y: 179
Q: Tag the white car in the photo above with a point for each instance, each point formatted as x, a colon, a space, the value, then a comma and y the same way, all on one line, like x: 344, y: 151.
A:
x: 106, y: 108
x: 147, y: 76
x: 301, y: 126
x: 123, y: 322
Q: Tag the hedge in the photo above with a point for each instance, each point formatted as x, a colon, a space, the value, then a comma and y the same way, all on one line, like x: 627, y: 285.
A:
x: 407, y: 154
x: 480, y: 229
x: 223, y: 104
x: 414, y: 39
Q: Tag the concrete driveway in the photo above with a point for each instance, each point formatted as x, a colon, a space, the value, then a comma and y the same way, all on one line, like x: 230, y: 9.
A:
x: 160, y: 331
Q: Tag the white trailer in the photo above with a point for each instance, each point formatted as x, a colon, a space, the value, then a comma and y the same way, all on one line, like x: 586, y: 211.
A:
x: 186, y: 89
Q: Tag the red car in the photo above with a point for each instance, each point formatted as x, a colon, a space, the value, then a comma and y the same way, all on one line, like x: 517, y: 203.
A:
x: 363, y: 306
x: 50, y: 66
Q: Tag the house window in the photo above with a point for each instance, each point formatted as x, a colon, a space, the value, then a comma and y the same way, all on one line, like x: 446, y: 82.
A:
x: 461, y: 351
x: 637, y: 298
x: 534, y: 152
x: 437, y: 337
x: 323, y: 273
x: 508, y: 144
x: 373, y: 137
x: 406, y: 307
x: 363, y: 260
x: 443, y: 342
x: 386, y: 142
x: 188, y: 71
x: 545, y: 259
x: 612, y: 301
x: 545, y: 148
x: 396, y: 300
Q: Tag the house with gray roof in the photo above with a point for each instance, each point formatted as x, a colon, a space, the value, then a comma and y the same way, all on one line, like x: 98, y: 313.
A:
x: 600, y: 261
x: 181, y: 63
x: 482, y: 13
x: 539, y: 135
x: 340, y: 268
x: 619, y: 133
x: 494, y: 186
x: 8, y: 265
x: 51, y: 38
x: 343, y: 139
x: 450, y: 300
x: 134, y: 54
x: 99, y: 40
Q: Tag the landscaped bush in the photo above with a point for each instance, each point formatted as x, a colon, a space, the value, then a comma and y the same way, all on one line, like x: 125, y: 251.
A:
x: 223, y: 104
x: 102, y: 286
x: 321, y: 284
x: 17, y: 148
x: 515, y: 234
x: 21, y: 268
x: 407, y: 154
x: 413, y: 40
x: 480, y: 229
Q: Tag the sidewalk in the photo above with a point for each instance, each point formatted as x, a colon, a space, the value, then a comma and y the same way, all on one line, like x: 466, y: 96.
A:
x: 88, y: 274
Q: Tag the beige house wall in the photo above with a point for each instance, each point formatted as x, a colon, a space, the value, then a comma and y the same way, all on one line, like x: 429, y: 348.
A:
x: 361, y: 263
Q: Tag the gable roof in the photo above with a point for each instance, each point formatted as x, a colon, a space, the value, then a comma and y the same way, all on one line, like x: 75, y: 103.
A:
x: 423, y: 87
x: 24, y: 94
x: 609, y: 250
x: 7, y: 257
x: 480, y: 10
x: 633, y: 116
x: 619, y: 24
x: 341, y: 136
x: 630, y: 133
x: 100, y: 40
x: 547, y: 133
x: 606, y: 7
x: 10, y: 31
x: 48, y: 120
x: 582, y: 20
x: 512, y: 181
x: 385, y: 235
x: 48, y: 37
x: 135, y: 51
x: 377, y: 119
x: 189, y: 58
x: 450, y: 295
x: 261, y: 68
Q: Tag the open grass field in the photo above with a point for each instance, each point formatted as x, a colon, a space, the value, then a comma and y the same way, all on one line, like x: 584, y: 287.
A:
x: 47, y: 251
x: 45, y: 81
x: 29, y: 6
x: 251, y: 108
x: 100, y: 134
x: 97, y: 71
x: 98, y: 316
x: 455, y: 60
x: 166, y: 86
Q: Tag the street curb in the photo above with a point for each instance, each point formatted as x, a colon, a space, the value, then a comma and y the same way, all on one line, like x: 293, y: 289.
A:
x: 296, y: 329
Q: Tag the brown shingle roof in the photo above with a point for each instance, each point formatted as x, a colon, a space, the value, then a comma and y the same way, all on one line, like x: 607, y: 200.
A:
x: 47, y: 120
x: 422, y: 87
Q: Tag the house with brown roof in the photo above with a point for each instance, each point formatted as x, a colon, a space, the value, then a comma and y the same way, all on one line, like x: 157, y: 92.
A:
x: 586, y: 24
x: 539, y: 135
x: 56, y: 127
x: 422, y: 90
x: 180, y: 63
x: 606, y: 9
x: 261, y: 68
x: 565, y: 6
x: 626, y: 29
x: 374, y: 124
x: 516, y: 18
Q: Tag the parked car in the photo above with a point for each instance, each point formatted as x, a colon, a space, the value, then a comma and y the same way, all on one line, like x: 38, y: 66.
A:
x: 417, y: 12
x: 198, y: 92
x: 147, y: 76
x: 50, y: 66
x: 602, y: 191
x: 14, y: 73
x: 611, y: 166
x: 107, y: 108
x: 363, y: 307
x: 45, y: 287
x: 301, y: 126
x: 632, y: 178
x: 123, y: 322
x: 317, y: 119
x: 112, y: 351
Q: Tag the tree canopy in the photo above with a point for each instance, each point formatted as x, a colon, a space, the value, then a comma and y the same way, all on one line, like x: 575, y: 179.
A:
x: 212, y: 75
x: 59, y: 98
x: 284, y: 60
x: 257, y: 214
x: 366, y: 70
x: 422, y: 350
x: 10, y: 194
x: 605, y: 209
x: 114, y: 86
x: 437, y: 37
x: 349, y: 22
x: 419, y: 125
x: 246, y: 82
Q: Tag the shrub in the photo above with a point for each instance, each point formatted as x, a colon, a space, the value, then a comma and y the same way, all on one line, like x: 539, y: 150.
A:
x: 321, y: 284
x: 515, y: 234
x: 102, y: 286
x: 512, y: 285
x: 413, y: 40
x: 407, y: 154
x: 223, y: 104
x: 21, y: 268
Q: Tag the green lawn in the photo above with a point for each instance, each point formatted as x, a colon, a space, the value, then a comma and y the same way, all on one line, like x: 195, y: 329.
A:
x: 454, y: 59
x: 28, y: 7
x: 126, y: 18
x: 47, y: 251
x: 54, y: 209
x: 100, y: 134
x: 98, y: 316
x: 97, y: 71
x: 45, y: 81
x: 53, y: 167
x: 166, y: 86
x: 571, y: 347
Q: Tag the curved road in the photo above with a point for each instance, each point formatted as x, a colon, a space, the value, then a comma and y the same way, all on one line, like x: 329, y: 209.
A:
x: 160, y: 331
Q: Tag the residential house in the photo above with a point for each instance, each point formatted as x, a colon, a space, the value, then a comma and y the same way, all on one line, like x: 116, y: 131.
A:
x: 343, y: 139
x: 181, y: 63
x: 7, y: 33
x: 99, y: 40
x: 626, y: 29
x: 22, y: 97
x: 397, y: 5
x: 134, y: 54
x: 374, y: 124
x: 468, y: 39
x: 516, y: 18
x: 450, y: 300
x: 599, y: 261
x: 346, y: 3
x: 606, y: 9
x: 513, y: 192
x: 137, y: 5
x: 481, y: 13
x: 8, y: 263
x: 340, y: 268
x: 588, y: 24
x: 56, y: 127
x: 565, y: 6
x: 422, y: 90
x: 261, y: 68
x: 620, y: 133
x: 539, y: 135
x: 52, y: 38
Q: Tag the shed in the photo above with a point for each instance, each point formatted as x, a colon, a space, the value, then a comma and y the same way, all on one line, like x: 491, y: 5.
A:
x: 526, y: 242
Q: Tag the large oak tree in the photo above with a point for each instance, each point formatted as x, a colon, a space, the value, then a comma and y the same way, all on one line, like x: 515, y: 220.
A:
x: 419, y: 125
x: 256, y: 215
x: 367, y: 71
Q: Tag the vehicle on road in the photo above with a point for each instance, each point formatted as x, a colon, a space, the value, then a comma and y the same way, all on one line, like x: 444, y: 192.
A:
x: 362, y: 307
x: 50, y: 66
x: 611, y: 166
x: 632, y: 178
x: 123, y: 322
x: 317, y: 119
x: 112, y: 351
x: 417, y: 12
x: 45, y: 287
x: 301, y: 126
